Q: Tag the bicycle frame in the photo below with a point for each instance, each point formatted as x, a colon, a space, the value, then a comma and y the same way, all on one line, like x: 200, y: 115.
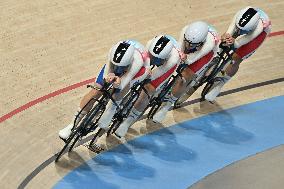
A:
x: 156, y: 102
x: 224, y: 57
x: 215, y: 66
x: 122, y: 111
x: 126, y: 107
x: 87, y: 125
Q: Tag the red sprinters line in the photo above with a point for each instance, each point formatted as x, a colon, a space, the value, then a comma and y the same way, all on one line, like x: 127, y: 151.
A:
x: 45, y: 97
x: 276, y: 33
x: 69, y: 88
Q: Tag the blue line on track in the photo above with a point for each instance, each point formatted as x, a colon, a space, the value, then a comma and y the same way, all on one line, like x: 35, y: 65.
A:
x: 178, y: 156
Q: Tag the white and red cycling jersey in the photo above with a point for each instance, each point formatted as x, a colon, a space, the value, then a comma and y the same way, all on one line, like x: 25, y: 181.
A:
x: 138, y: 69
x: 199, y: 59
x: 160, y: 75
x: 247, y: 44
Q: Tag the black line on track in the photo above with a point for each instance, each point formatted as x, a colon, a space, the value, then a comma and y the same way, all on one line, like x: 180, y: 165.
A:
x: 42, y: 166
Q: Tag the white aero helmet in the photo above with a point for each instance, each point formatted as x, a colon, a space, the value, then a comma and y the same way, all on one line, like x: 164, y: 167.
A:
x: 121, y: 54
x: 247, y: 19
x: 160, y: 48
x: 196, y: 32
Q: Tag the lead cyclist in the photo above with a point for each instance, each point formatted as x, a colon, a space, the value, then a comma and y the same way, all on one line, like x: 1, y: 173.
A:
x: 127, y: 65
x: 247, y: 31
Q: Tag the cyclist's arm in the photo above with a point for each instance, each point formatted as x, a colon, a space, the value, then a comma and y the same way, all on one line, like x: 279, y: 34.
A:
x: 133, y: 70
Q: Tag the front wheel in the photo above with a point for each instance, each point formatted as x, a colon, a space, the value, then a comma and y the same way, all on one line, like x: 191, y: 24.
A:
x: 69, y: 140
x: 83, y: 128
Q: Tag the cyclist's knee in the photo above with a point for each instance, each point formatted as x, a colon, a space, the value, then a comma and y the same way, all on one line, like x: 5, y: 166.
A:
x: 118, y: 94
x: 142, y: 101
x: 233, y: 68
x: 236, y: 59
x: 188, y: 74
x: 96, y: 90
x: 150, y: 89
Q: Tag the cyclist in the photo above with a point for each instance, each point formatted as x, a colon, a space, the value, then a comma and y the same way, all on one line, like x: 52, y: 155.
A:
x: 127, y: 64
x: 199, y: 42
x: 247, y: 31
x: 165, y: 56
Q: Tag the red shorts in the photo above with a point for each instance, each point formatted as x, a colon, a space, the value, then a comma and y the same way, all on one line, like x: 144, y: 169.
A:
x: 159, y: 81
x: 139, y: 77
x: 248, y: 49
x: 140, y: 73
x: 201, y: 63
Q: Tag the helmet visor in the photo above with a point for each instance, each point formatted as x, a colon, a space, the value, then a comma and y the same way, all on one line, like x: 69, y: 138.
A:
x: 239, y: 31
x: 119, y: 70
x: 189, y: 45
x: 156, y: 61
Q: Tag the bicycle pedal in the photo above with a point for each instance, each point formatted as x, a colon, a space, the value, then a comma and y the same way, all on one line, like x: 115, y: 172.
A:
x: 154, y: 121
x: 95, y: 148
x: 176, y: 106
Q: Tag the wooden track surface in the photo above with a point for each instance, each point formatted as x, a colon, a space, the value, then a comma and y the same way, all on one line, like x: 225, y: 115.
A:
x: 48, y: 45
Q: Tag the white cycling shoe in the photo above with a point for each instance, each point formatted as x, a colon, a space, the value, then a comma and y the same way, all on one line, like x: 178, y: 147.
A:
x: 65, y: 132
x: 106, y: 119
x: 216, y: 89
x: 161, y: 114
x: 123, y: 128
x: 107, y: 115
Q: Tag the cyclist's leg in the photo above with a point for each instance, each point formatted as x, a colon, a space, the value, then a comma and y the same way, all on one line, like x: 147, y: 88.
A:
x: 137, y: 110
x: 223, y: 77
x: 111, y: 107
x: 85, y: 103
x: 144, y: 97
x: 94, y: 93
x: 233, y: 68
x: 191, y: 88
x: 241, y: 54
x: 134, y: 114
x: 178, y: 89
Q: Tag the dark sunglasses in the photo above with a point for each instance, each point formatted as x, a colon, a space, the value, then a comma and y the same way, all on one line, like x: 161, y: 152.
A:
x: 241, y: 32
x: 192, y: 45
x: 156, y: 61
x: 119, y: 70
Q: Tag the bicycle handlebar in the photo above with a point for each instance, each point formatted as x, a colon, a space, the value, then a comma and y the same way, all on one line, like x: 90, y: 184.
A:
x: 107, y: 86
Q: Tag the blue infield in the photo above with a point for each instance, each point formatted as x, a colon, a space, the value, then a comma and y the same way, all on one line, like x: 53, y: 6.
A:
x: 178, y: 156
